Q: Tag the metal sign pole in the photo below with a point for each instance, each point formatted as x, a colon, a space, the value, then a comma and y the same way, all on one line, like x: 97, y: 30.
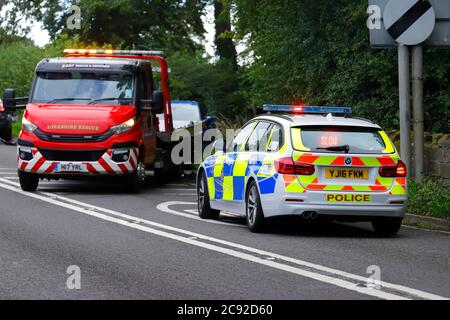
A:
x: 417, y: 87
x: 405, y: 104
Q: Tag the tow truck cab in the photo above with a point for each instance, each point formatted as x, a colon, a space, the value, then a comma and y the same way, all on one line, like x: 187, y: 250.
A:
x: 95, y: 113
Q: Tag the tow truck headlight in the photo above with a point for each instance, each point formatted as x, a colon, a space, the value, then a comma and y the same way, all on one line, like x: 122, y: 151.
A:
x: 28, y: 126
x: 124, y: 127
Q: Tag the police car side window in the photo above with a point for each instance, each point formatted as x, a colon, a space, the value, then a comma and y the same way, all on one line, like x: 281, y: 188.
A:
x: 259, y: 137
x: 275, y: 142
x: 241, y: 138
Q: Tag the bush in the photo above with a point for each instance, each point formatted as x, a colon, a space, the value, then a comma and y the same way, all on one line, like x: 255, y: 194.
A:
x: 430, y: 199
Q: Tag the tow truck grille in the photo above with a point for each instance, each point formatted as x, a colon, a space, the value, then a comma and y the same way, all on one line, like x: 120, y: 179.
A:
x: 72, y: 138
x: 63, y: 155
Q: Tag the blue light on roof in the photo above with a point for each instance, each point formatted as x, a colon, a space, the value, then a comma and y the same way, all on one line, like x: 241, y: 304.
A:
x: 307, y: 109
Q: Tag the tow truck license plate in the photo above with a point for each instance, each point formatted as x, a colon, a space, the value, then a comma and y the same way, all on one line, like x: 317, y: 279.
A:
x: 338, y: 173
x: 70, y: 167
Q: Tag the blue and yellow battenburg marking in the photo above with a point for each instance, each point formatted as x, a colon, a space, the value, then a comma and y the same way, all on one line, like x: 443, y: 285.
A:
x: 227, y: 174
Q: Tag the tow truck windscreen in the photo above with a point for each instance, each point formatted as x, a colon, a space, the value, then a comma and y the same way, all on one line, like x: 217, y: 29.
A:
x: 336, y: 139
x: 83, y: 88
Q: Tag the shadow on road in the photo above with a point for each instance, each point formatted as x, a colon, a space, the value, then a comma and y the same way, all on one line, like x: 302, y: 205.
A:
x: 296, y: 226
x: 108, y: 185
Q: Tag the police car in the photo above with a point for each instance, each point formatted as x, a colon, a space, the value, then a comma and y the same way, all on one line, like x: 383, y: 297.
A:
x: 309, y: 161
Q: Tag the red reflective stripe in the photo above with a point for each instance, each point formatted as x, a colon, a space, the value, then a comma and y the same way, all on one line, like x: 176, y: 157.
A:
x: 340, y: 161
x: 23, y: 166
x: 109, y: 152
x: 123, y: 168
x: 106, y: 166
x: 401, y: 180
x: 288, y: 179
x: 358, y: 162
x: 136, y: 153
x: 316, y: 186
x: 386, y: 161
x: 348, y: 188
x: 34, y: 151
x: 378, y: 188
x: 133, y: 164
x: 91, y: 168
x: 38, y: 164
x: 307, y: 158
x: 50, y: 168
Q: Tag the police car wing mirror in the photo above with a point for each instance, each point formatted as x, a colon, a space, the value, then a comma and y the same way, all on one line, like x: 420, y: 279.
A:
x: 9, y: 100
x: 157, y: 102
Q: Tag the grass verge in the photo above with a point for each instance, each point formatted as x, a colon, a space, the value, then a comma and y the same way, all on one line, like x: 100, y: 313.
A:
x: 432, y: 199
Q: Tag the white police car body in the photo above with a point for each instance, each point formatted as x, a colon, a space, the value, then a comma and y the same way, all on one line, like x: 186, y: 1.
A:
x: 314, y: 162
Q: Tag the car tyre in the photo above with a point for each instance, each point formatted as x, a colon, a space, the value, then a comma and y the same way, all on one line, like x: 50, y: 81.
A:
x: 203, y: 200
x: 254, y: 214
x: 387, y: 226
x: 28, y: 181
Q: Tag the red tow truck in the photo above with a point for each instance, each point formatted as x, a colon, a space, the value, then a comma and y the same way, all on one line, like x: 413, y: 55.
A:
x: 93, y: 113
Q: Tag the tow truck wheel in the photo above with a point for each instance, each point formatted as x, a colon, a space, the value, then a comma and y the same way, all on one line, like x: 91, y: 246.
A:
x: 387, y: 226
x: 28, y: 181
x: 204, y: 206
x: 254, y: 212
x: 135, y: 181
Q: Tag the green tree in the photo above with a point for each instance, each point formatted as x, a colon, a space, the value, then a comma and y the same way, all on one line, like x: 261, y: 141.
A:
x: 318, y: 52
x: 157, y: 24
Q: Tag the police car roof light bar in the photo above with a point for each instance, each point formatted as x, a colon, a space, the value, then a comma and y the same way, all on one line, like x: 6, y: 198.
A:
x: 307, y: 109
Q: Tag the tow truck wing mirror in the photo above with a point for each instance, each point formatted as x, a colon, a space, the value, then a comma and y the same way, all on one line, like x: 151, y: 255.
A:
x: 9, y: 100
x: 158, y: 102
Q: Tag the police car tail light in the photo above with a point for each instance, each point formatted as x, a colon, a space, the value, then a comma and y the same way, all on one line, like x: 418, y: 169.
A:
x: 393, y: 171
x: 304, y: 169
x: 285, y: 166
x: 288, y: 166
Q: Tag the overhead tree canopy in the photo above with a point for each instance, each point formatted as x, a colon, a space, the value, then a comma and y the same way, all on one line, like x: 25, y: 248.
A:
x: 160, y: 24
x: 314, y: 52
x: 318, y: 52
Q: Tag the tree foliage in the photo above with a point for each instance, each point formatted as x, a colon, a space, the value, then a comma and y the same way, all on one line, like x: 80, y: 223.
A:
x: 301, y: 51
x: 318, y: 52
x: 156, y: 24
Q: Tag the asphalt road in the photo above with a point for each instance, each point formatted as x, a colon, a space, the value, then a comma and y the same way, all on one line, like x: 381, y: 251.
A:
x: 152, y: 246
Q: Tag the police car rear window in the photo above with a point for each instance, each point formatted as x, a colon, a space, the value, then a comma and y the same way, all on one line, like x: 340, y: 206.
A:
x: 328, y: 139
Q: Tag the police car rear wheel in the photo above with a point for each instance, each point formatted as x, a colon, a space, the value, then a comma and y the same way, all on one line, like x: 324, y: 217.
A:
x: 204, y: 206
x: 254, y: 213
x: 28, y: 181
x: 387, y: 226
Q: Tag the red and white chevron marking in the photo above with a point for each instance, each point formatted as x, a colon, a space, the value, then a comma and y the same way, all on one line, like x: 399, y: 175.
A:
x: 105, y: 165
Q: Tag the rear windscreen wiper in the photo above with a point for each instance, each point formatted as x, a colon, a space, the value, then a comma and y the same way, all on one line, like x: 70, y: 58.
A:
x: 345, y: 148
x: 66, y: 99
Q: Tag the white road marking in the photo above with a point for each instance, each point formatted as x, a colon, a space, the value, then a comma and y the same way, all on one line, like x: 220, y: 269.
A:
x: 305, y: 269
x: 164, y: 207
